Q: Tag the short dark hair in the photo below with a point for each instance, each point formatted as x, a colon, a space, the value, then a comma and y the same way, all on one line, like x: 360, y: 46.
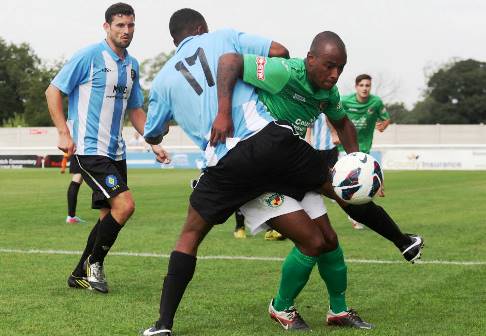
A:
x: 325, y: 37
x: 184, y: 21
x: 361, y: 77
x: 118, y: 8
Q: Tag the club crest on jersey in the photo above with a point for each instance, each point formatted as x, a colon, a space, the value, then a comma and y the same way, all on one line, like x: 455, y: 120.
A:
x: 111, y: 181
x: 261, y: 61
x: 370, y: 110
x: 133, y: 74
x: 274, y: 200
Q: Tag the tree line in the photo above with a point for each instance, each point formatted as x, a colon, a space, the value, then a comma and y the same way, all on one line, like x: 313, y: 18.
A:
x: 455, y: 93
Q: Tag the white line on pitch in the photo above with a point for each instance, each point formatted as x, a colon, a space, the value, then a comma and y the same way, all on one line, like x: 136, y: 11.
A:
x: 159, y: 255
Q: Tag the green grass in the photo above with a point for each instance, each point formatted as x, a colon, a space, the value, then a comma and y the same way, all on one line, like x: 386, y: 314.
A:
x: 230, y: 297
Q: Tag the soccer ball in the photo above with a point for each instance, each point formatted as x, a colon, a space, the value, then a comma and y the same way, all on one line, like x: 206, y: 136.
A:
x: 356, y: 178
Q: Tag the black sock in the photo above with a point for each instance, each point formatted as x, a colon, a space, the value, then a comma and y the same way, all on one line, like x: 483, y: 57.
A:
x: 240, y: 220
x: 376, y: 218
x: 72, y: 197
x: 78, y: 271
x: 105, y: 238
x: 180, y: 271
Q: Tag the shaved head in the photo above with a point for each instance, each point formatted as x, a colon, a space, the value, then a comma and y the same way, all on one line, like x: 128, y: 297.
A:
x: 326, y: 60
x: 324, y: 39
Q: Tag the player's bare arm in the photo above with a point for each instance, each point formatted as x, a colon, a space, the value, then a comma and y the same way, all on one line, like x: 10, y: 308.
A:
x: 138, y: 118
x: 334, y: 136
x: 382, y: 124
x: 278, y: 50
x: 347, y: 134
x: 54, y: 103
x: 230, y: 68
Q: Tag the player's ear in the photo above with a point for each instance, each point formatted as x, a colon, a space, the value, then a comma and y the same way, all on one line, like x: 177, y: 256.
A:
x: 106, y: 27
x: 310, y: 58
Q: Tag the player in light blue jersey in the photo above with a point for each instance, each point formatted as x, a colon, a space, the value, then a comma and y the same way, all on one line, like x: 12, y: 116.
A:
x: 102, y: 83
x: 258, y: 154
x: 321, y: 135
x: 187, y: 83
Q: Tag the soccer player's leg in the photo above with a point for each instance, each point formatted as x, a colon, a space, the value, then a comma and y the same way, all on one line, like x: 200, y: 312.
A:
x: 182, y: 264
x: 107, y: 178
x: 377, y: 219
x: 298, y: 265
x: 239, y: 232
x: 72, y: 199
x: 333, y: 270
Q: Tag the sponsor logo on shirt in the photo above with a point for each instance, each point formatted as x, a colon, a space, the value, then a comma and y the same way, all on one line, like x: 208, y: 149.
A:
x: 260, y: 61
x: 275, y: 200
x: 298, y: 97
x: 121, y: 89
x: 106, y: 70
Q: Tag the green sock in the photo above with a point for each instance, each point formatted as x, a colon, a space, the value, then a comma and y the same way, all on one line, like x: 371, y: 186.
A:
x: 333, y: 271
x: 296, y: 270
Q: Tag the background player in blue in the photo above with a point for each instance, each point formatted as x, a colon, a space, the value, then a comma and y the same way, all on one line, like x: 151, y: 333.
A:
x: 262, y: 155
x: 102, y: 83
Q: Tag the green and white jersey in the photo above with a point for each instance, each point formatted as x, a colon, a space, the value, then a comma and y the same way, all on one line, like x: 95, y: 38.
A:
x: 364, y: 117
x: 286, y: 92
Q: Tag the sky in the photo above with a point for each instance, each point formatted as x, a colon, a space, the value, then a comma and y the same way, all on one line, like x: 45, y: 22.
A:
x: 398, y: 42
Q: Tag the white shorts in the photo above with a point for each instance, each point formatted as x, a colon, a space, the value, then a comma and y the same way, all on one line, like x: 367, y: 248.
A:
x: 269, y: 205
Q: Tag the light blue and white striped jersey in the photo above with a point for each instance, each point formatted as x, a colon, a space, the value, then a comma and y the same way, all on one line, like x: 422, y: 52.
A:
x: 321, y: 134
x: 185, y: 90
x: 100, y: 87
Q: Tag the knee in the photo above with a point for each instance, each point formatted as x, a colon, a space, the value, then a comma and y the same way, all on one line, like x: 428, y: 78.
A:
x: 331, y: 242
x: 129, y: 208
x: 124, y: 209
x: 315, y: 246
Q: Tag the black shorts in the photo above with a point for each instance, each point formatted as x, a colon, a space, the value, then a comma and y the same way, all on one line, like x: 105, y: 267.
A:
x: 275, y: 159
x: 331, y: 156
x: 74, y: 166
x: 106, y: 177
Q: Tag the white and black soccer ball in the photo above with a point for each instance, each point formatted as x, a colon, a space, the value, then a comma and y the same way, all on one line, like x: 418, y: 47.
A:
x: 356, y: 178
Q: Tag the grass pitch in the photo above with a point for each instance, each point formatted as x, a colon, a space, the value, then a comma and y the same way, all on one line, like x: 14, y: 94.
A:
x: 444, y: 295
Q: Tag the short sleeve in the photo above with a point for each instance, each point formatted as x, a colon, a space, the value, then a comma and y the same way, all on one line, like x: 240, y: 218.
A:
x: 75, y: 72
x: 268, y: 74
x: 252, y: 44
x: 136, y: 95
x: 158, y: 115
x: 382, y: 112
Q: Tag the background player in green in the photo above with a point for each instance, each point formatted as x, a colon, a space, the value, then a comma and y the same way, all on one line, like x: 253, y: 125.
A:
x: 367, y: 112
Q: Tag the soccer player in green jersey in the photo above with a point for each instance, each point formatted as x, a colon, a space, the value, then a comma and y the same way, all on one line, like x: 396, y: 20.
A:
x: 294, y: 90
x: 367, y: 112
x: 298, y: 91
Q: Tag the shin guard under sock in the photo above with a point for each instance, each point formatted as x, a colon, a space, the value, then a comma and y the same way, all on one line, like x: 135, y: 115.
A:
x: 296, y: 270
x: 180, y: 271
x: 377, y: 219
x: 333, y: 271
x: 108, y: 230
x: 72, y: 197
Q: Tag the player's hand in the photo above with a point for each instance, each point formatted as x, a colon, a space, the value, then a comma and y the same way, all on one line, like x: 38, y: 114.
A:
x: 222, y: 129
x: 335, y: 139
x: 161, y: 155
x: 380, y: 126
x: 381, y: 191
x: 66, y: 144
